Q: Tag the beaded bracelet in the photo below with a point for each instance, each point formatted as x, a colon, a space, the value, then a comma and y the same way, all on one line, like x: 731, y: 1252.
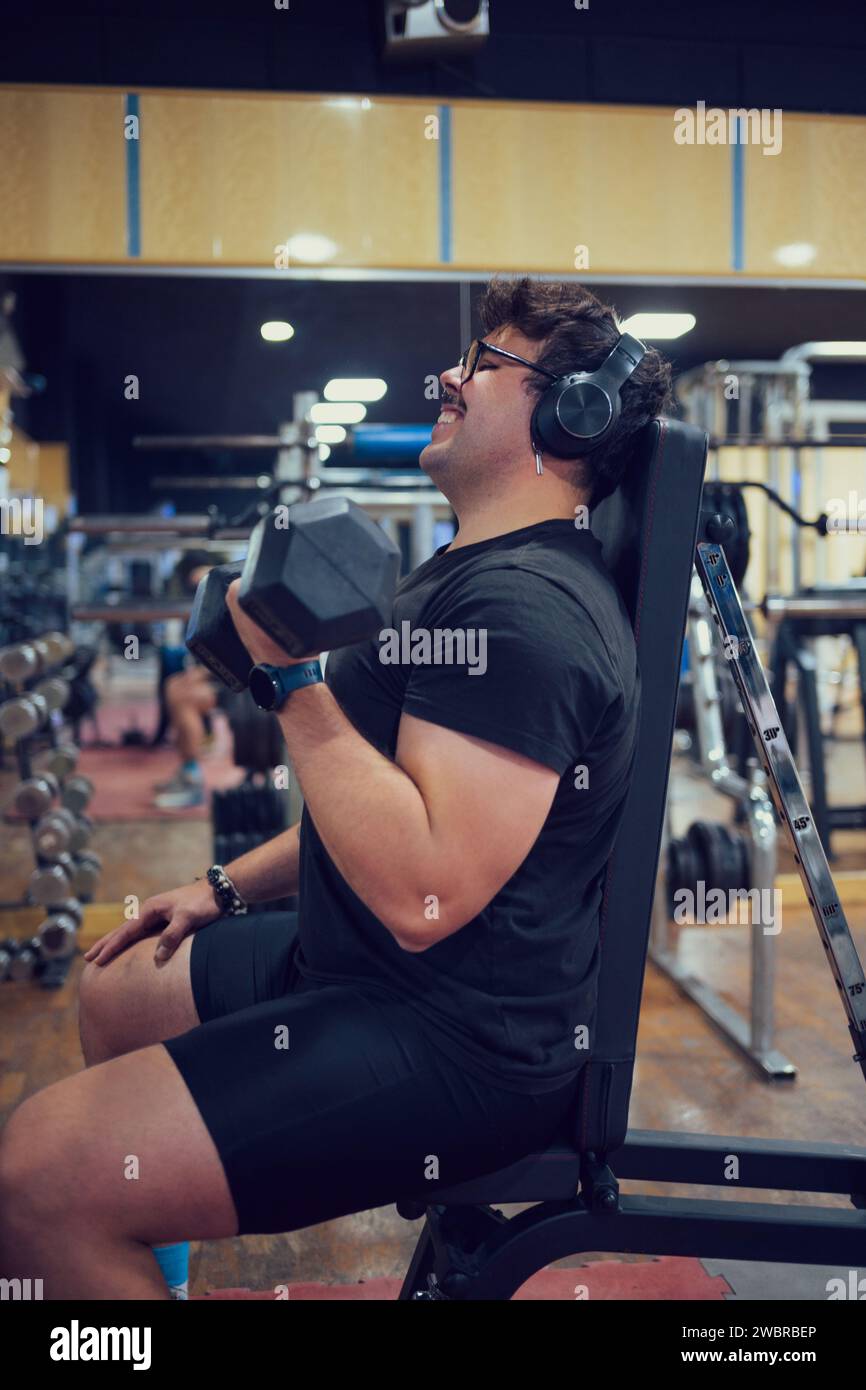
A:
x: 227, y: 896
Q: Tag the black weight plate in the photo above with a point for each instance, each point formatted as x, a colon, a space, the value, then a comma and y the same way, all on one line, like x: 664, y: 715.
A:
x: 726, y: 501
x: 683, y: 869
x: 721, y: 855
x: 699, y: 837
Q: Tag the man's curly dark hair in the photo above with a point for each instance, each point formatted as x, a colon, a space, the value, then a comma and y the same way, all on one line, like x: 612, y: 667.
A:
x: 578, y: 332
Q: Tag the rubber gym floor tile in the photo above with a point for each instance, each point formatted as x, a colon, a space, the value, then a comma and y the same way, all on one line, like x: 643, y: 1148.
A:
x: 753, y: 1279
x: 661, y: 1280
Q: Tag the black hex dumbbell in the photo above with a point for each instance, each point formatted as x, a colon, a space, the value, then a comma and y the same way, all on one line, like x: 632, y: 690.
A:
x: 318, y: 575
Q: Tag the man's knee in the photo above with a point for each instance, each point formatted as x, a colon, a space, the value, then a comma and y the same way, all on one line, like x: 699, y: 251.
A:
x: 31, y: 1161
x: 190, y: 689
x: 178, y: 687
x: 102, y: 988
x: 132, y: 1002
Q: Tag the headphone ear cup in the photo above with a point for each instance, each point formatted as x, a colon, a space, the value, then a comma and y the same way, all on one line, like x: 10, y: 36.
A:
x: 573, y: 416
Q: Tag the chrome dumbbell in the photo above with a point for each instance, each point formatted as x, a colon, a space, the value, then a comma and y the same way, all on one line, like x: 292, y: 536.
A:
x: 62, y: 760
x: 60, y: 646
x: 52, y: 883
x: 60, y: 831
x: 21, y: 717
x: 58, y: 934
x: 76, y: 792
x: 18, y: 663
x: 70, y: 907
x: 85, y: 875
x: 81, y: 831
x: 34, y: 796
x: 25, y: 962
x: 43, y: 652
x: 7, y: 951
x: 54, y: 690
x: 53, y: 833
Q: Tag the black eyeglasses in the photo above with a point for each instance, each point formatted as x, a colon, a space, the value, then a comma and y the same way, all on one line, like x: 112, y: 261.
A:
x: 469, y: 360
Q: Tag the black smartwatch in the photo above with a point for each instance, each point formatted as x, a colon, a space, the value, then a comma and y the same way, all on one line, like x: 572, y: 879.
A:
x: 271, y: 686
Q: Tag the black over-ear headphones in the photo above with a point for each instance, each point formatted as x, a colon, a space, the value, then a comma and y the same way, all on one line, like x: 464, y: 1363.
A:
x: 578, y: 411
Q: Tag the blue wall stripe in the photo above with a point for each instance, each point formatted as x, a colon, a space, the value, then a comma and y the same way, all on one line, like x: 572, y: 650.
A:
x: 445, y: 227
x: 737, y: 200
x: 133, y: 182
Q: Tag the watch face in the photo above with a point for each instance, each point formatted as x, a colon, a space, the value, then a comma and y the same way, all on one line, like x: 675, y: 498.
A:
x: 262, y: 688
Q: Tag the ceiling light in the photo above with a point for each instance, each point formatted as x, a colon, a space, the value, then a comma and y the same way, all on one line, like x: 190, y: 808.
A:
x: 659, y: 325
x: 340, y: 413
x: 341, y: 388
x: 852, y: 351
x: 277, y: 331
x: 330, y: 434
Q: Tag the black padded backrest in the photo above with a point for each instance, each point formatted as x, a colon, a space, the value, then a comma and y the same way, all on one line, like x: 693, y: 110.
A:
x: 648, y: 529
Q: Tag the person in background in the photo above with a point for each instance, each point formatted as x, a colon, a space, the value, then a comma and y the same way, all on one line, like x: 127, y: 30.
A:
x: 190, y: 695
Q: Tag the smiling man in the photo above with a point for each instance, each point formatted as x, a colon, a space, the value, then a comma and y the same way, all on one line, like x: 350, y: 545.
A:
x: 427, y: 1017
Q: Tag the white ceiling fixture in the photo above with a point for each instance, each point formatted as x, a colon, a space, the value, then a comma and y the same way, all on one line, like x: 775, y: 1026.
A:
x: 330, y: 434
x: 348, y: 388
x: 277, y: 331
x: 853, y: 351
x: 659, y: 325
x: 339, y: 413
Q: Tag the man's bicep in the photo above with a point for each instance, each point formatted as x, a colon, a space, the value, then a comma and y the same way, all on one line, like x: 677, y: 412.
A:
x: 486, y: 805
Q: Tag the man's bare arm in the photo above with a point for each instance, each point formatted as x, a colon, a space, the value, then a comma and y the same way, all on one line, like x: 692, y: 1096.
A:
x: 264, y: 874
x: 269, y: 871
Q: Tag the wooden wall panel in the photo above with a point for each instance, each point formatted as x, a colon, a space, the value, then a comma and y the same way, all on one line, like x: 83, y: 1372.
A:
x: 812, y: 193
x: 23, y: 464
x: 62, y: 175
x: 532, y: 181
x: 54, y: 484
x: 227, y: 179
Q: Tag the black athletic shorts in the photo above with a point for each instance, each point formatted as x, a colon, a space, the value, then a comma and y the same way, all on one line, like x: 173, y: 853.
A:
x: 324, y: 1100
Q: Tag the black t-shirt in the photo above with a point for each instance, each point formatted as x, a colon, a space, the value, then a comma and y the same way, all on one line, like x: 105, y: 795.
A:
x: 510, y: 995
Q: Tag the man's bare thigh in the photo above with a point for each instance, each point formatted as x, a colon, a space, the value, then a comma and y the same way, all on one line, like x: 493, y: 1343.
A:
x: 133, y: 1001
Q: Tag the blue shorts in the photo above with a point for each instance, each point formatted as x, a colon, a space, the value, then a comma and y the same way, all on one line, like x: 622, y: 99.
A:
x: 324, y: 1100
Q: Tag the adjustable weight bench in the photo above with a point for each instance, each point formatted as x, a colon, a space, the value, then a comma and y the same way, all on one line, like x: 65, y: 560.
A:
x: 653, y: 532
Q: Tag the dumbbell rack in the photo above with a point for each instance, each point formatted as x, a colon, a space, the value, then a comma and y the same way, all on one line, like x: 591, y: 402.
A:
x: 32, y: 694
x: 752, y: 1035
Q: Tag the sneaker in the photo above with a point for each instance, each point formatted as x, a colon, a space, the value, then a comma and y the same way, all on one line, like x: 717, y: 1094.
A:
x: 176, y: 780
x: 188, y: 791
